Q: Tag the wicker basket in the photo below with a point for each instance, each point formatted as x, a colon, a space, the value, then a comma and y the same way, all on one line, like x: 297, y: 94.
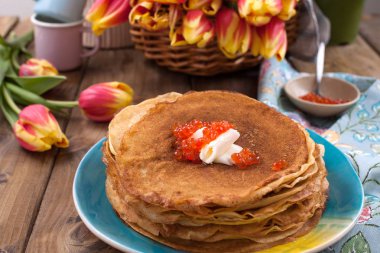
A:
x: 192, y: 60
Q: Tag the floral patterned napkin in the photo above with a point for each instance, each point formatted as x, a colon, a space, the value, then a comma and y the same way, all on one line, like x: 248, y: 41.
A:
x: 356, y: 133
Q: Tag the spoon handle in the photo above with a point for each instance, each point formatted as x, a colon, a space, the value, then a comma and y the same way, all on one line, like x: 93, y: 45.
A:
x: 320, y: 65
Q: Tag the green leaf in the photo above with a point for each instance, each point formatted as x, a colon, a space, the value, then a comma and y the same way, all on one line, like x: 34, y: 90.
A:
x: 33, y: 98
x: 356, y: 243
x: 38, y: 84
x: 22, y: 41
x: 4, y: 66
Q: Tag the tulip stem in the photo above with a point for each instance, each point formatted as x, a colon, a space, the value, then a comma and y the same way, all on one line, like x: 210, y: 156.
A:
x: 66, y: 104
x: 10, y: 101
x: 36, y: 99
x: 9, y: 115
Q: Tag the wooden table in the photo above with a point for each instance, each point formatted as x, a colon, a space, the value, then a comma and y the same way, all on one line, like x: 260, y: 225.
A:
x: 37, y: 213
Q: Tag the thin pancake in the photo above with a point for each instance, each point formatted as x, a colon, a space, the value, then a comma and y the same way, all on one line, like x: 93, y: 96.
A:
x: 150, y: 172
x: 234, y: 245
x: 132, y: 114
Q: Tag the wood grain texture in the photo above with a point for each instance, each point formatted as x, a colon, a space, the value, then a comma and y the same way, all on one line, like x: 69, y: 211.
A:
x: 58, y: 227
x: 369, y: 29
x: 7, y: 24
x: 243, y: 81
x: 356, y: 58
x: 24, y: 175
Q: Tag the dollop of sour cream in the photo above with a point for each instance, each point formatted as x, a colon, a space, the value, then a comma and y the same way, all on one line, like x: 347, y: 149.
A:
x: 220, y: 149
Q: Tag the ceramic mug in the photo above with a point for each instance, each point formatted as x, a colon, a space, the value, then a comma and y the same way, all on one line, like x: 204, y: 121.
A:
x: 61, y: 43
x: 64, y: 11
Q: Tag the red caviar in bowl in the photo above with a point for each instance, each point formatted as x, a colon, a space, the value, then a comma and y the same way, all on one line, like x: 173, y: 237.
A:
x: 245, y: 158
x: 279, y: 165
x: 312, y: 97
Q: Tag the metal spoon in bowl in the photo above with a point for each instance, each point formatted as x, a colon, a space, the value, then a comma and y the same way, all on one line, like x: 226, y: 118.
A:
x: 320, y: 62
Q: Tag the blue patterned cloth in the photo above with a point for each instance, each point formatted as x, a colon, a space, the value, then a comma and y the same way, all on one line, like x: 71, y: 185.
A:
x: 356, y: 133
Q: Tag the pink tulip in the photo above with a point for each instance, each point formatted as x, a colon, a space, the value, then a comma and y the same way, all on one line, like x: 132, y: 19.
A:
x: 259, y: 12
x: 37, y: 67
x: 148, y: 15
x: 104, y: 14
x: 100, y: 102
x: 37, y: 129
x: 233, y: 33
x: 209, y: 7
x: 288, y: 9
x: 270, y: 40
x: 197, y: 28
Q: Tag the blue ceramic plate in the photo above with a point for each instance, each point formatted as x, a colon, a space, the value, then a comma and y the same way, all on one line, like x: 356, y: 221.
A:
x: 343, y: 206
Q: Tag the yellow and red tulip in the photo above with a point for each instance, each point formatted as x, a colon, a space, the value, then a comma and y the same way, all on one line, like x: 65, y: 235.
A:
x: 100, y: 102
x: 233, y: 33
x: 175, y: 14
x: 37, y: 67
x: 37, y: 129
x: 288, y: 9
x: 270, y: 40
x: 197, y: 28
x: 177, y: 39
x: 170, y: 1
x: 209, y: 7
x: 148, y: 15
x: 104, y: 14
x: 259, y: 12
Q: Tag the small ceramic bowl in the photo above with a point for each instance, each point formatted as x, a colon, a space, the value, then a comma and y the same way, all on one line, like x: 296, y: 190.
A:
x: 330, y: 87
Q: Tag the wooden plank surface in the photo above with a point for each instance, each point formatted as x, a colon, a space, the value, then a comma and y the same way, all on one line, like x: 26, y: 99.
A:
x: 370, y: 30
x: 24, y: 175
x: 58, y: 227
x: 7, y: 24
x: 356, y: 58
x: 243, y: 81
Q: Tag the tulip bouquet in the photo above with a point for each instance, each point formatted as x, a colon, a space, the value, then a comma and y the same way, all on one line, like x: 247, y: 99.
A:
x: 237, y: 26
x: 29, y: 114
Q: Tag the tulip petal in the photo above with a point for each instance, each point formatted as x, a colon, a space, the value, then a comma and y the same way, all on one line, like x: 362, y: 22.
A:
x: 108, y: 13
x: 149, y: 16
x: 197, y: 28
x: 177, y: 39
x: 233, y: 33
x: 289, y: 9
x: 209, y: 7
x: 259, y: 12
x: 270, y: 40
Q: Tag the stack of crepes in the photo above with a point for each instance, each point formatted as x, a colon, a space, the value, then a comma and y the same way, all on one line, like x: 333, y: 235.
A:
x: 213, y: 207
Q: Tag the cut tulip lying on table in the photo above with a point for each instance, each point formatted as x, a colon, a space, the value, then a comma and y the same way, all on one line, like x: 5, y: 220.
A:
x: 37, y: 129
x: 100, y: 102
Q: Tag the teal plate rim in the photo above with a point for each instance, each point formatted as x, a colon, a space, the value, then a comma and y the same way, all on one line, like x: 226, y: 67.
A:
x: 120, y: 236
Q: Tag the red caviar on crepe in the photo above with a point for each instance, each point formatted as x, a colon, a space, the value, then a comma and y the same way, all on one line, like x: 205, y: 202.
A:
x: 210, y: 142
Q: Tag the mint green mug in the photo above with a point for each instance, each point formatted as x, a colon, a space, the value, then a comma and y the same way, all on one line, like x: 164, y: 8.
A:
x: 344, y: 16
x: 63, y: 11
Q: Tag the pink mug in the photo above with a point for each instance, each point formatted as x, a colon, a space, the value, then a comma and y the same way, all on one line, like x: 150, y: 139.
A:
x: 61, y: 43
